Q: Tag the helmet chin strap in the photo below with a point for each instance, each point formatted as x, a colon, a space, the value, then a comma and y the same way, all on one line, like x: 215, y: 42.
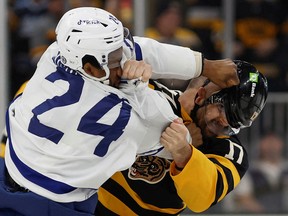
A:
x: 107, y: 71
x: 123, y: 60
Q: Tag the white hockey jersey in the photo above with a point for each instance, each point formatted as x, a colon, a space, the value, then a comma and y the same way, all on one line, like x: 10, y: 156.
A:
x: 67, y: 135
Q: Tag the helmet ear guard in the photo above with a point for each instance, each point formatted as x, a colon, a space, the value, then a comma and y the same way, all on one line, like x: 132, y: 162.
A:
x: 244, y: 102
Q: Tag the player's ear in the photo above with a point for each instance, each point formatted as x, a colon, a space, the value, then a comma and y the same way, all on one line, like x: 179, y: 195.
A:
x: 93, y: 71
x: 88, y: 68
x: 201, y: 96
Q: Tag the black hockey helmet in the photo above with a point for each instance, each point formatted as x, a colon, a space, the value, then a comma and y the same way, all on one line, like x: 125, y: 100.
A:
x: 243, y: 102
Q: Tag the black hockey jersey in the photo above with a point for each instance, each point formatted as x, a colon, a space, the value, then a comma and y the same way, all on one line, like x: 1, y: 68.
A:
x: 151, y: 187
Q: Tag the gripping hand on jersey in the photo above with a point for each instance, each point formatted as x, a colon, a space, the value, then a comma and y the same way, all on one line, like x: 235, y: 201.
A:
x: 174, y: 139
x: 135, y: 75
x: 133, y: 69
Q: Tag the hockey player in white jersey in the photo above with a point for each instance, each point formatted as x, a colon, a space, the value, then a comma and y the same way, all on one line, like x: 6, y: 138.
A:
x: 69, y: 131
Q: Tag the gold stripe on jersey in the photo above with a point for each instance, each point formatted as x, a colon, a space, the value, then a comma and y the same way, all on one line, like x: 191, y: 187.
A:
x: 185, y: 116
x: 3, y: 144
x: 119, y: 178
x: 151, y: 86
x: 2, y: 150
x: 21, y: 89
x: 228, y: 180
x: 107, y: 198
x: 197, y: 192
x: 227, y: 163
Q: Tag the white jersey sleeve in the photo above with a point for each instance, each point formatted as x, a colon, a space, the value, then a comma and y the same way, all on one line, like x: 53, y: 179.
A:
x: 68, y: 134
x: 168, y: 61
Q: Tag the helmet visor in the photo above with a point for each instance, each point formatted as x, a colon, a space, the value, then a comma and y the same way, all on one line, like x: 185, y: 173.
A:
x: 114, y: 58
x: 129, y: 45
x: 118, y: 57
x: 215, y: 117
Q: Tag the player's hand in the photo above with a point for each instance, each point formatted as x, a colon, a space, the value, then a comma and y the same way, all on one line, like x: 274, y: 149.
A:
x: 133, y: 69
x: 221, y: 72
x: 174, y: 140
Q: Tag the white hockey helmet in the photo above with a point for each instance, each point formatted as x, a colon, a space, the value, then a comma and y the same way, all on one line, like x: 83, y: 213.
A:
x: 88, y: 31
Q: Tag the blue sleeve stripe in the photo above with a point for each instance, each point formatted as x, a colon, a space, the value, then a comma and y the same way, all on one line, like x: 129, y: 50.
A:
x: 32, y: 175
x: 138, y: 52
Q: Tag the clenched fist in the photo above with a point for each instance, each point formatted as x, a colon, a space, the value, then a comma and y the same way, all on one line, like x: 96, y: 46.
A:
x: 174, y: 139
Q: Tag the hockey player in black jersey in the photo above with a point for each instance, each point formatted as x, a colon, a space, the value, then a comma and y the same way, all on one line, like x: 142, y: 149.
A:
x: 202, y: 173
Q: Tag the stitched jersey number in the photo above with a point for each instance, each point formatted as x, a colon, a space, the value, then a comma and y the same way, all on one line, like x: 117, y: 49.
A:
x: 110, y: 133
x: 88, y: 122
x: 232, y: 154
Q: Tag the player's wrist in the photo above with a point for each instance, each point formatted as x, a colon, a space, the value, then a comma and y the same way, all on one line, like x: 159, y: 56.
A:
x: 183, y: 158
x: 208, y: 68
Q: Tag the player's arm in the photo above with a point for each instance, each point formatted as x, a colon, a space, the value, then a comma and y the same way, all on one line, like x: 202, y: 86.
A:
x: 170, y: 61
x: 212, y: 172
